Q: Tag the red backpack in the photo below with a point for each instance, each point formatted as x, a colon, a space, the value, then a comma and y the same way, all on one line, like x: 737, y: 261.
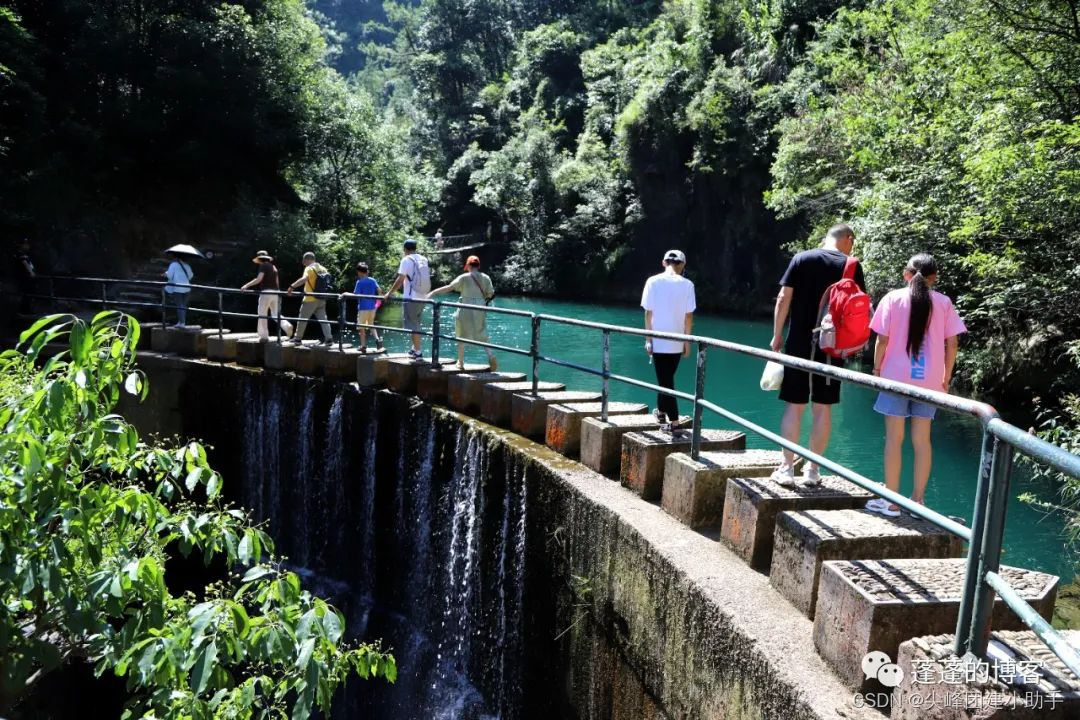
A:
x: 844, y: 316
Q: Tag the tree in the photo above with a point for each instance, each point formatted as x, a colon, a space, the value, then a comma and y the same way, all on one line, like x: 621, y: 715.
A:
x: 91, y: 517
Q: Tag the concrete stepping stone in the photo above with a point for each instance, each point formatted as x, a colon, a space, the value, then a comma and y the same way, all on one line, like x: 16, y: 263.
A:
x: 159, y: 339
x: 372, y: 369
x: 563, y: 426
x: 146, y: 335
x: 495, y: 401
x: 807, y: 538
x: 1029, y: 682
x: 223, y: 348
x: 338, y: 364
x: 401, y: 373
x: 601, y: 442
x: 645, y: 453
x: 528, y: 414
x: 868, y: 605
x: 188, y: 341
x: 304, y: 358
x: 465, y: 391
x: 693, y: 490
x: 250, y: 351
x: 432, y: 382
x: 282, y: 355
x: 752, y: 504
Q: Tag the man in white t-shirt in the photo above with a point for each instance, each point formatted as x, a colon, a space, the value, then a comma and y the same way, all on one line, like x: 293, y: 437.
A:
x: 414, y: 277
x: 669, y: 303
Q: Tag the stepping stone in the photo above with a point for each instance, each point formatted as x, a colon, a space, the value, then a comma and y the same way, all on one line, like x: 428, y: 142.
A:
x: 339, y: 364
x: 146, y: 335
x: 528, y: 414
x: 807, y: 538
x: 159, y: 339
x: 869, y: 605
x: 465, y: 392
x: 752, y: 504
x: 693, y: 490
x: 432, y: 382
x: 223, y: 348
x: 372, y: 369
x: 189, y: 341
x: 284, y: 355
x: 601, y: 442
x: 1028, y: 683
x: 495, y: 402
x: 645, y: 453
x: 250, y: 351
x: 304, y: 358
x: 563, y: 426
x: 401, y: 373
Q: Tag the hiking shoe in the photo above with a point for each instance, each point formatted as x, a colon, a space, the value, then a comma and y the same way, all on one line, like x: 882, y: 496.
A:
x: 415, y: 354
x: 363, y: 349
x: 811, y: 476
x: 660, y: 417
x: 329, y: 342
x: 378, y: 345
x: 881, y: 506
x: 784, y: 476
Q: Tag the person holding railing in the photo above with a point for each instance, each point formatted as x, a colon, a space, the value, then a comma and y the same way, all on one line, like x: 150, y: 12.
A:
x: 808, y: 276
x: 414, y: 279
x: 266, y: 282
x: 365, y: 306
x: 178, y: 275
x: 669, y: 303
x: 315, y: 280
x: 474, y: 288
x: 918, y: 333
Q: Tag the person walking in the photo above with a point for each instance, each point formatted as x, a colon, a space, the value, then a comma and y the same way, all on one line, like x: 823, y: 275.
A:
x: 316, y: 279
x: 808, y: 275
x: 438, y: 239
x: 918, y: 333
x: 669, y: 303
x: 25, y: 276
x: 414, y: 279
x: 266, y: 282
x: 365, y: 306
x: 178, y: 275
x: 474, y: 288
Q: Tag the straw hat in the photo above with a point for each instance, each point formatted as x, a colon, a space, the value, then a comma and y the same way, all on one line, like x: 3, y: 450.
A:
x: 262, y: 256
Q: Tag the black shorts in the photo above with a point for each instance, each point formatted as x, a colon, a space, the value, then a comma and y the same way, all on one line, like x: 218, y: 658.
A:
x: 799, y: 387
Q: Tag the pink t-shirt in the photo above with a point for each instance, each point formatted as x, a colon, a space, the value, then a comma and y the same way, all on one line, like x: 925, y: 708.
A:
x: 927, y: 370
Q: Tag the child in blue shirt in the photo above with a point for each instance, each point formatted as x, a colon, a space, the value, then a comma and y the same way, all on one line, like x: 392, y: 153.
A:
x: 365, y: 306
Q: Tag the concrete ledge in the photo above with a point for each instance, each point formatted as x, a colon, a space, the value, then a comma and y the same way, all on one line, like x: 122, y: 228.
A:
x: 401, y: 373
x: 693, y: 490
x: 250, y: 351
x: 304, y: 359
x: 872, y: 605
x: 284, y: 356
x: 930, y: 689
x: 159, y: 338
x: 752, y: 503
x: 223, y: 348
x: 495, y: 399
x: 528, y: 414
x: 644, y: 455
x: 806, y: 539
x: 432, y: 382
x: 465, y: 391
x: 338, y: 364
x: 562, y: 430
x: 146, y: 335
x: 372, y: 369
x: 189, y: 341
x: 601, y: 442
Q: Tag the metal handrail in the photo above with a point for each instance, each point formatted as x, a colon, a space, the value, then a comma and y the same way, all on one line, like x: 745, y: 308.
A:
x: 1000, y: 439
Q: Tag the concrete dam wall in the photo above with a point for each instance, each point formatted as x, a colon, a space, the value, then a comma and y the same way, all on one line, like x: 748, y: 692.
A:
x: 509, y: 581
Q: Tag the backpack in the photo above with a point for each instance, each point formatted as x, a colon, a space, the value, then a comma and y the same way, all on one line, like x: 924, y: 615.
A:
x: 420, y: 280
x: 324, y: 283
x: 844, y: 316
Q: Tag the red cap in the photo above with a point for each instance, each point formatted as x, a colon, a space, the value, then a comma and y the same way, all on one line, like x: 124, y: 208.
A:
x: 473, y: 260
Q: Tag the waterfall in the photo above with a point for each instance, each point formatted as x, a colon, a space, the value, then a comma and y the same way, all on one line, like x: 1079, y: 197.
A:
x: 367, y: 501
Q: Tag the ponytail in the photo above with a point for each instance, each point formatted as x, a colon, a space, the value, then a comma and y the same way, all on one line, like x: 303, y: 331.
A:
x: 922, y: 267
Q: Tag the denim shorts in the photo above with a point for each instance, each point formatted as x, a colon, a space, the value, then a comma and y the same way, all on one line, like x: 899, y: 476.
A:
x: 897, y: 406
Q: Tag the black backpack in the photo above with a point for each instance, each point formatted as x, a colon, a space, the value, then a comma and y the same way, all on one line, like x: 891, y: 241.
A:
x: 324, y: 282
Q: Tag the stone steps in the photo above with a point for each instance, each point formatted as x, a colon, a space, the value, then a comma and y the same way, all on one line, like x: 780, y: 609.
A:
x: 563, y: 423
x: 645, y: 452
x: 496, y: 404
x: 529, y: 412
x: 465, y: 393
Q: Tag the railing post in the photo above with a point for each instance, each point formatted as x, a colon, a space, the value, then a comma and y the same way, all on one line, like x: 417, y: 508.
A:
x: 534, y: 353
x: 435, y: 330
x: 606, y: 369
x: 280, y: 312
x: 52, y: 295
x: 971, y: 578
x: 699, y: 394
x: 990, y: 553
x: 341, y: 325
x: 220, y: 315
x: 164, y: 322
x: 104, y: 296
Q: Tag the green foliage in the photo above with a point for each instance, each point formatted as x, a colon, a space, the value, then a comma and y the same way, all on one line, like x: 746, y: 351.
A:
x: 90, y: 516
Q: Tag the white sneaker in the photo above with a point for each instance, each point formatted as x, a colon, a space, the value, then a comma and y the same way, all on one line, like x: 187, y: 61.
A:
x: 811, y: 476
x: 881, y: 506
x: 784, y: 476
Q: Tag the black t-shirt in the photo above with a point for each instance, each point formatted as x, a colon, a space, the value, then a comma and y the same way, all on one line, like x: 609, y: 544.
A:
x: 270, y: 276
x: 809, y: 275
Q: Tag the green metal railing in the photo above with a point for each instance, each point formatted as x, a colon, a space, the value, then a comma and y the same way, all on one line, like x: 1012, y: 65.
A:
x: 1001, y: 441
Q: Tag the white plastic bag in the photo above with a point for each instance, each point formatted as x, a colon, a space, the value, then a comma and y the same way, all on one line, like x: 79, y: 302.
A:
x: 772, y: 377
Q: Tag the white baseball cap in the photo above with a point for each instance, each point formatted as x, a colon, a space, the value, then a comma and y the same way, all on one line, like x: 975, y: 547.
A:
x: 674, y: 256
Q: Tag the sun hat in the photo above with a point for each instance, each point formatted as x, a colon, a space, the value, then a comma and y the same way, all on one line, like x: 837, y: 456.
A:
x: 674, y: 256
x: 262, y: 256
x: 473, y: 260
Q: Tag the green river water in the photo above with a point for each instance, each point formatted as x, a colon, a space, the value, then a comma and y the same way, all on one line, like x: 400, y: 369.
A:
x: 1033, y: 539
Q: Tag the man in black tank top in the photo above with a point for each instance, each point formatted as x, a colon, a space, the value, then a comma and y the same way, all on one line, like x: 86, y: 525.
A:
x: 266, y: 281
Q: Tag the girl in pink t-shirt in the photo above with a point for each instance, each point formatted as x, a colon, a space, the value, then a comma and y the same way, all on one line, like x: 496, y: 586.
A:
x: 917, y: 331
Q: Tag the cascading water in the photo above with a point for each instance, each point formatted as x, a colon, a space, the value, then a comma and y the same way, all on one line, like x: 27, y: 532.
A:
x: 415, y: 527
